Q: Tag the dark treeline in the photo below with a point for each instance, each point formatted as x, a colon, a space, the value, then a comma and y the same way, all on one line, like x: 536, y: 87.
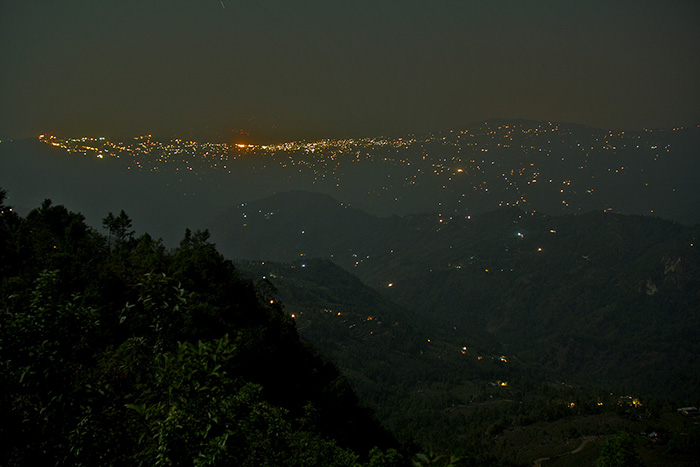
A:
x: 116, y: 351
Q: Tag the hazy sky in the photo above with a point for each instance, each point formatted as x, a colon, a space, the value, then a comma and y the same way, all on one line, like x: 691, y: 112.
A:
x: 265, y: 71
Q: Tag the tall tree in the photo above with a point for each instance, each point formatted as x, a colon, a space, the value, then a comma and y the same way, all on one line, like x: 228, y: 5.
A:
x: 119, y: 227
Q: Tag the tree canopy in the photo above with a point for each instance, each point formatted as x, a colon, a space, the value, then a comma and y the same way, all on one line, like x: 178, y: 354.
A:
x: 114, y: 350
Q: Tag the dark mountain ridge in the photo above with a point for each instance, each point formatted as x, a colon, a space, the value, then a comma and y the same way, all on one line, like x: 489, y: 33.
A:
x: 599, y: 295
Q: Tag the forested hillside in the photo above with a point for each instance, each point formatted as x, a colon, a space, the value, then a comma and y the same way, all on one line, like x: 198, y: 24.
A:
x: 598, y: 296
x: 115, y: 351
x: 450, y: 394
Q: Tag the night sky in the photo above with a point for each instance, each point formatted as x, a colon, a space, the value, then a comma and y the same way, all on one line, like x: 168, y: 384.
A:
x: 265, y: 71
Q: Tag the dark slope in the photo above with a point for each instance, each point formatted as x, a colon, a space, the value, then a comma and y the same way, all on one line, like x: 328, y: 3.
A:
x: 290, y: 225
x: 370, y: 338
x: 402, y: 369
x: 117, y: 352
x: 601, y: 295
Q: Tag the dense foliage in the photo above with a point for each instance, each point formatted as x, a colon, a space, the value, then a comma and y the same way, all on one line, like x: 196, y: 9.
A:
x: 114, y: 351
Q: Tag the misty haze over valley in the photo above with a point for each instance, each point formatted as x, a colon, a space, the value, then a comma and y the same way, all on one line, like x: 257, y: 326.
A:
x: 506, y: 254
x: 167, y: 186
x: 309, y: 234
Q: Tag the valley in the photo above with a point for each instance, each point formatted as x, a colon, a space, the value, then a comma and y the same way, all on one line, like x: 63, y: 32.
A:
x: 524, y: 308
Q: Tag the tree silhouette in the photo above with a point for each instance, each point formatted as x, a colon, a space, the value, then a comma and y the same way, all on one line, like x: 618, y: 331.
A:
x: 119, y: 227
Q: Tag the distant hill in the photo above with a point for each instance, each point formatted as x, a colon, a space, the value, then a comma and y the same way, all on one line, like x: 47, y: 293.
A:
x: 393, y: 359
x: 309, y: 222
x: 546, y: 167
x: 601, y: 295
x: 370, y: 338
